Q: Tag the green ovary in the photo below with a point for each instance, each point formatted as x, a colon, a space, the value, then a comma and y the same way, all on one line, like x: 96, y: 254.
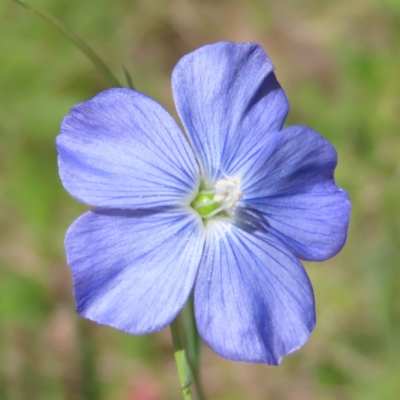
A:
x: 205, y: 210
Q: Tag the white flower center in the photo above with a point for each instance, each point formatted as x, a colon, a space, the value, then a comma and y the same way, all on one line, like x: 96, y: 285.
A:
x: 223, y: 197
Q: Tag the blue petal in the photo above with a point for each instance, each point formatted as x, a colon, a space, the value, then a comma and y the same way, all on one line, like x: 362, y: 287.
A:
x: 228, y: 98
x: 288, y: 182
x: 253, y: 299
x: 134, y: 270
x: 122, y: 149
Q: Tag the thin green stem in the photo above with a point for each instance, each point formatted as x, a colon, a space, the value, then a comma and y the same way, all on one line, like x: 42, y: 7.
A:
x: 193, y: 345
x: 191, y: 337
x: 74, y: 38
x: 128, y: 78
x: 184, y: 371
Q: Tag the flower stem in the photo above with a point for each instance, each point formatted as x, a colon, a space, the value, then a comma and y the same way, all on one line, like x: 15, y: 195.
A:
x: 184, y: 371
x: 74, y: 38
x: 193, y: 345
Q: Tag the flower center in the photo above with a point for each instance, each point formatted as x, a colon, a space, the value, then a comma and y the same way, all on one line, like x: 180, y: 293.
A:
x: 223, y: 197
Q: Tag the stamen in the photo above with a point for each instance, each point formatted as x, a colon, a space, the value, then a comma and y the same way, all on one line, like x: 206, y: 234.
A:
x: 228, y: 192
x: 224, y: 197
x: 207, y: 191
x: 215, y: 212
x: 203, y: 204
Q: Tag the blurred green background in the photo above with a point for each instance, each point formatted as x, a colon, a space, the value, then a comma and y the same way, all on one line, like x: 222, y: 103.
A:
x: 339, y: 62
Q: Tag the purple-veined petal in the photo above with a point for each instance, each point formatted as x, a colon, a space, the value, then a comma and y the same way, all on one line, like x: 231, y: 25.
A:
x: 134, y: 270
x: 228, y: 98
x: 253, y: 299
x: 121, y: 149
x: 288, y: 182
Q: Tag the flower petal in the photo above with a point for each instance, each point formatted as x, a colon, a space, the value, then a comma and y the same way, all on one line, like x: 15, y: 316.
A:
x: 227, y: 97
x: 253, y: 299
x: 134, y: 270
x: 122, y: 149
x: 287, y: 181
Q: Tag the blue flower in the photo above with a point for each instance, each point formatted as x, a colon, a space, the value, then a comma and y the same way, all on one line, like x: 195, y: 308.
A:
x: 226, y: 212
